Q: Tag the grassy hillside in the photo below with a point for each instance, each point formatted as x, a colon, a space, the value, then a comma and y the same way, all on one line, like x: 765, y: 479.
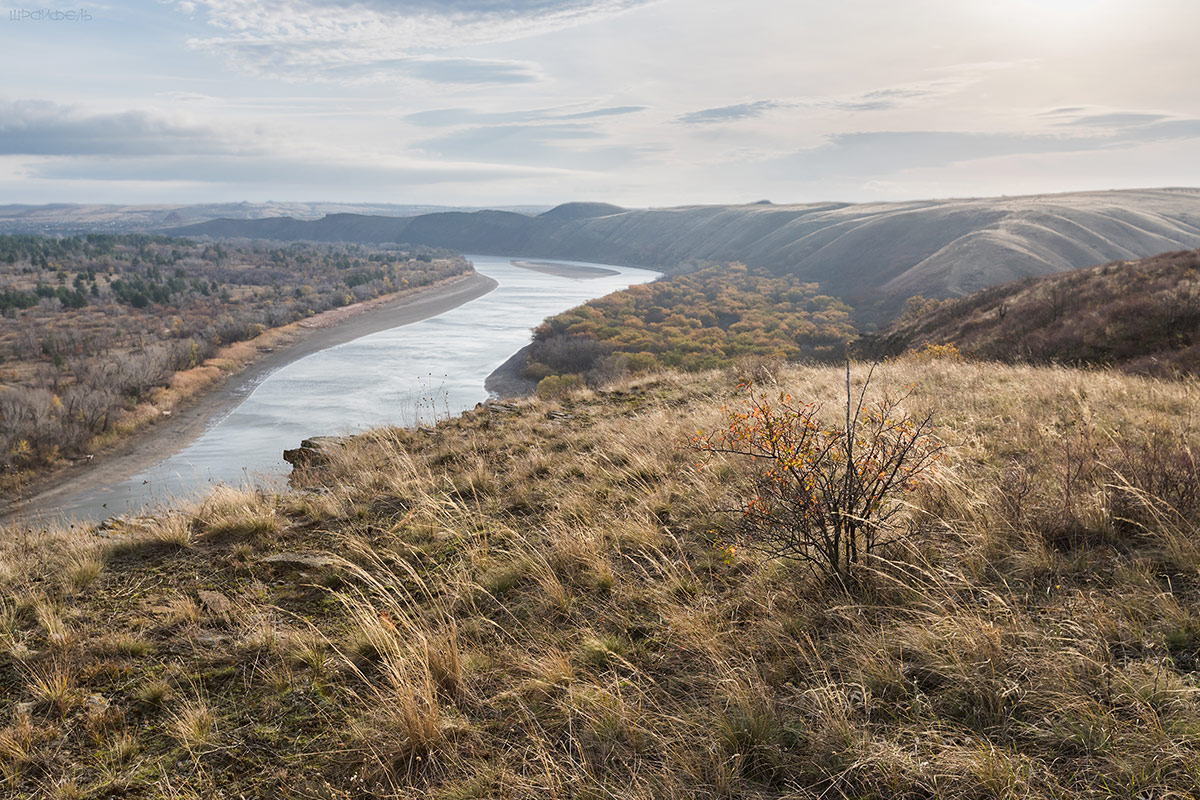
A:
x: 1140, y: 316
x: 527, y: 602
x: 870, y: 255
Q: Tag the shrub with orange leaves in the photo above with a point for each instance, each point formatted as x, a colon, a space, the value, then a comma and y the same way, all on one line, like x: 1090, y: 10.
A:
x: 828, y: 496
x: 937, y: 352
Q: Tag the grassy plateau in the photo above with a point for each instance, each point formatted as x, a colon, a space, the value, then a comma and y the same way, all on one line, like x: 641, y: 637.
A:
x: 538, y: 600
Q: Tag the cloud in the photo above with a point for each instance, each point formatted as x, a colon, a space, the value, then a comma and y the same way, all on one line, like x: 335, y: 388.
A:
x: 477, y: 8
x: 437, y: 70
x: 878, y: 153
x: 1064, y: 111
x: 48, y: 141
x: 326, y: 39
x: 879, y: 99
x: 1166, y: 130
x: 35, y: 127
x: 1127, y: 126
x: 570, y: 145
x: 279, y: 170
x: 506, y: 141
x: 875, y: 100
x: 604, y: 112
x: 729, y: 113
x: 885, y: 152
x: 1120, y: 119
x: 448, y: 117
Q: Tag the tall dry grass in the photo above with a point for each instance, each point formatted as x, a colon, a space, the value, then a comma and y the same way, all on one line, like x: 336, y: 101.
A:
x: 531, y: 604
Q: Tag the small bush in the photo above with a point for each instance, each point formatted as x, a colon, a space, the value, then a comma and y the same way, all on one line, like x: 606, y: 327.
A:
x: 555, y: 387
x: 826, y: 496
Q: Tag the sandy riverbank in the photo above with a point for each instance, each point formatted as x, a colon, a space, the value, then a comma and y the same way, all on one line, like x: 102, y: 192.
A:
x: 146, y: 448
x: 508, y: 381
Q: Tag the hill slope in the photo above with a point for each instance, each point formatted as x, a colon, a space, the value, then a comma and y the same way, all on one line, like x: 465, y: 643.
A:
x: 527, y: 603
x: 1141, y: 316
x: 862, y: 253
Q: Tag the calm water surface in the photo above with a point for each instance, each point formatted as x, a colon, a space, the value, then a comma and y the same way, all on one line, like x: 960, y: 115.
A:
x: 413, y: 373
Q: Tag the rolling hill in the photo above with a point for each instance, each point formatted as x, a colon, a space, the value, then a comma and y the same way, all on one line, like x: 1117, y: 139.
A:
x: 872, y: 255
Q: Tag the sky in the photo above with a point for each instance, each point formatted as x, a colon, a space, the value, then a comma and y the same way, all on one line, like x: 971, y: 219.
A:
x: 634, y: 102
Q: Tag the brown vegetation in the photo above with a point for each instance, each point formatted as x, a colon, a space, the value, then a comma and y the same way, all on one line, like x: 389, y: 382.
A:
x: 528, y: 603
x: 1137, y: 316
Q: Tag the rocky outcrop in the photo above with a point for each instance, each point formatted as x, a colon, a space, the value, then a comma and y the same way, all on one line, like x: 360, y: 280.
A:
x: 313, y: 453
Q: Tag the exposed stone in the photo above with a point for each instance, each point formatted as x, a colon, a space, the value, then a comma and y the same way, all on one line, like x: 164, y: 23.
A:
x: 215, y: 602
x: 312, y: 452
x: 302, y: 560
x: 501, y: 408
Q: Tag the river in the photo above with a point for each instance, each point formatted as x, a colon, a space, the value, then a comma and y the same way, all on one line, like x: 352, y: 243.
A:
x: 402, y: 376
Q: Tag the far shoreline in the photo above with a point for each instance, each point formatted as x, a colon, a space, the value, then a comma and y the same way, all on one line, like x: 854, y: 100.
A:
x: 154, y: 443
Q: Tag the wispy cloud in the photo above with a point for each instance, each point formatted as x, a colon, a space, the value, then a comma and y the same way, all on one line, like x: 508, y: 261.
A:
x: 730, y: 113
x: 574, y: 145
x: 878, y: 100
x: 875, y: 100
x: 332, y: 174
x: 382, y: 40
x: 435, y: 69
x: 1120, y: 119
x: 861, y: 154
x: 61, y: 142
x: 448, y: 117
x: 604, y: 112
x: 35, y: 127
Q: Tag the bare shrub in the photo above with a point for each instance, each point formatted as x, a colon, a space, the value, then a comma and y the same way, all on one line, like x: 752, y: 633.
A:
x: 826, y: 496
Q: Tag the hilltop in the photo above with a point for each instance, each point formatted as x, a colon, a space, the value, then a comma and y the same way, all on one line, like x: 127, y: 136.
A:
x: 1139, y: 316
x: 538, y: 600
x: 870, y: 255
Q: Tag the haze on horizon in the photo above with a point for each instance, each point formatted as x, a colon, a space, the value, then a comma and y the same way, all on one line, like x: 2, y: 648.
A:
x: 637, y: 102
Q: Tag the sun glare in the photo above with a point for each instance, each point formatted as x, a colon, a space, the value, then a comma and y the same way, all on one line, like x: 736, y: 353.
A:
x: 1084, y: 14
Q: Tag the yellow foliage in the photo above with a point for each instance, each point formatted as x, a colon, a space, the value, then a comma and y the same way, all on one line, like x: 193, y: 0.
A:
x: 937, y: 352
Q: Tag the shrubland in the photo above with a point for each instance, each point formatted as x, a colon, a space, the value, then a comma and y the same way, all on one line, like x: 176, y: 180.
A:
x: 93, y: 325
x: 547, y: 600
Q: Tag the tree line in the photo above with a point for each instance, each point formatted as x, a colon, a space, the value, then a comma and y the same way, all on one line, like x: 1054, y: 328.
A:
x: 699, y: 320
x: 91, y: 325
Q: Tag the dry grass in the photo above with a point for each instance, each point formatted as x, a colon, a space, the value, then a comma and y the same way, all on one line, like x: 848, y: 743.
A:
x: 192, y: 724
x: 519, y: 605
x: 230, y: 514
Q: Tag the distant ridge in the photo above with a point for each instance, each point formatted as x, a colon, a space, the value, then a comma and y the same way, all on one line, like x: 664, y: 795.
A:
x: 874, y: 255
x: 69, y: 218
x: 581, y: 211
